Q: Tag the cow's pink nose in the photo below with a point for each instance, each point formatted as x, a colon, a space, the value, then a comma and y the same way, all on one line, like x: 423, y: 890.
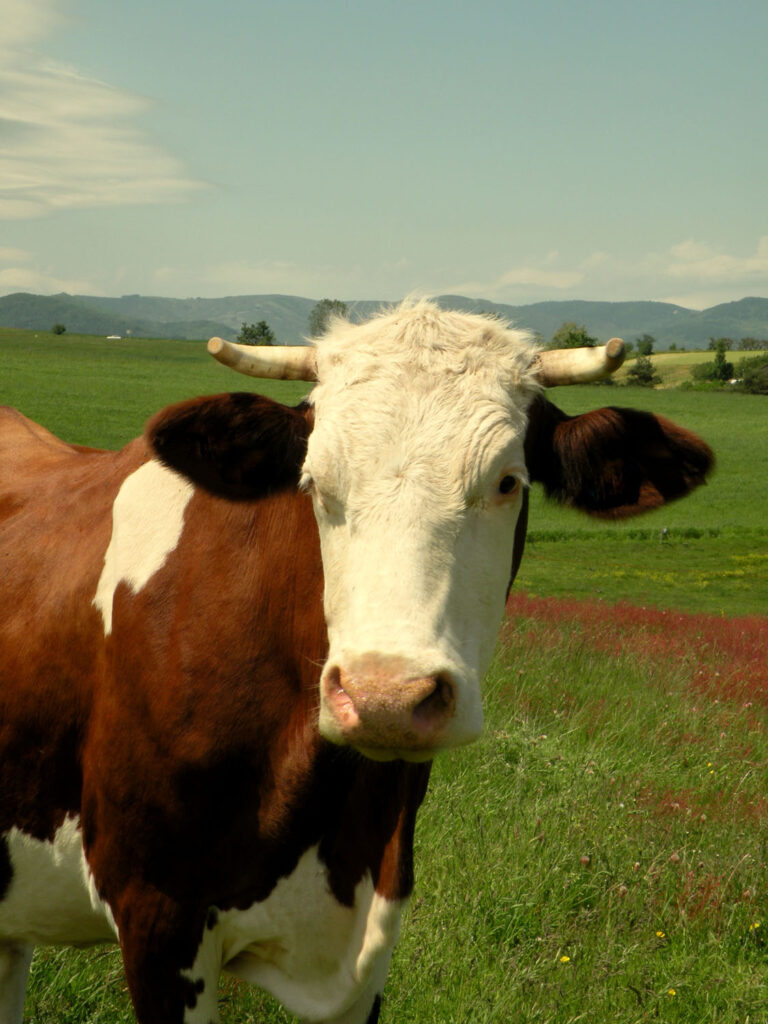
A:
x: 374, y: 703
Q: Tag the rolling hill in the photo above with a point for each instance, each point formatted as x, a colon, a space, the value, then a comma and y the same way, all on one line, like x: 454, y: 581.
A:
x: 287, y: 315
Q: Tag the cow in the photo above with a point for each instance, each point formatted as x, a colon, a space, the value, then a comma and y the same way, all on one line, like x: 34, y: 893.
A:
x: 230, y: 651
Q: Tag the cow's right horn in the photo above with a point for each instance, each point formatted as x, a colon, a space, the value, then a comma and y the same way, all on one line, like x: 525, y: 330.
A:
x: 578, y: 365
x: 276, y: 362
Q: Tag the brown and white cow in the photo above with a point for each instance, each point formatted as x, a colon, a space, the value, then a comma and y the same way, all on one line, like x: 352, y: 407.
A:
x: 202, y: 633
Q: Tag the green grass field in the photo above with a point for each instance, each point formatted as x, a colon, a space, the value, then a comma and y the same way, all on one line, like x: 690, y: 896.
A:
x: 707, y: 553
x: 601, y: 854
x: 675, y: 367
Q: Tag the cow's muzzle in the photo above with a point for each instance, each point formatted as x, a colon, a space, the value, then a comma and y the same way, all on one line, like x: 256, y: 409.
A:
x: 386, y: 708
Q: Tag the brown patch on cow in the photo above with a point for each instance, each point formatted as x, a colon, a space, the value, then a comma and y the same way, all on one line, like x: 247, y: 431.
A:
x: 57, y: 501
x: 613, y: 462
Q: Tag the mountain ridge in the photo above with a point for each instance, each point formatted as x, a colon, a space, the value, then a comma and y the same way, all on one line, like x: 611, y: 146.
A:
x: 287, y: 315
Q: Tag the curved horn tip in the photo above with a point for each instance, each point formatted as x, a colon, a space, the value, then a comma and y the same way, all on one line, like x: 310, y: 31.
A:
x: 614, y: 348
x: 216, y: 345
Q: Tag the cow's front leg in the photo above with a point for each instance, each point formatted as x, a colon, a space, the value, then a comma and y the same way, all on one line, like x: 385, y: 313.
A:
x: 15, y: 958
x: 171, y: 960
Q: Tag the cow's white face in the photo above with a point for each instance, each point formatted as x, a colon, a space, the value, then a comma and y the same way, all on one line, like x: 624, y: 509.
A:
x: 416, y: 469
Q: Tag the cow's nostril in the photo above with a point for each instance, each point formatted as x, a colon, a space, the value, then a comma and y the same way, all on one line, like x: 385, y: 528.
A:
x: 437, y: 707
x: 338, y: 698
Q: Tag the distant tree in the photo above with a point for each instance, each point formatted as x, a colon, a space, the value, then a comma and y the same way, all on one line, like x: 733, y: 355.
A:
x: 723, y: 368
x: 643, y: 373
x: 673, y: 347
x: 753, y: 344
x: 58, y: 329
x: 322, y: 313
x: 572, y: 335
x: 720, y: 370
x: 728, y: 343
x: 645, y: 345
x: 256, y: 334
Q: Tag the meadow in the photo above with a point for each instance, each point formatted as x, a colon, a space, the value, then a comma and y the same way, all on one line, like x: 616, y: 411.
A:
x: 601, y: 854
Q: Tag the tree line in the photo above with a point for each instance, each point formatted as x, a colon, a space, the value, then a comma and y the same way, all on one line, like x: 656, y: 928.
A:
x: 748, y: 375
x: 319, y: 317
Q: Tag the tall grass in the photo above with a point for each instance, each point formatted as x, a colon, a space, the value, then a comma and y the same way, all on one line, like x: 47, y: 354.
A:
x: 601, y: 854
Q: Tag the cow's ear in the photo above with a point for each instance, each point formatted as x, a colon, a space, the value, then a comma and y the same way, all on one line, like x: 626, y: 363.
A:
x: 238, y: 446
x: 613, y: 462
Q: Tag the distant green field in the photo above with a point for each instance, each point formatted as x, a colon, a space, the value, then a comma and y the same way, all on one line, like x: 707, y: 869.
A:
x: 712, y: 556
x: 714, y: 553
x: 675, y: 367
x: 91, y: 391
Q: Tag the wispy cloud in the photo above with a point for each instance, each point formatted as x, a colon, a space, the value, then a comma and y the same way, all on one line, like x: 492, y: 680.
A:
x: 27, y: 279
x: 18, y: 273
x: 693, y: 259
x: 253, y: 277
x: 689, y: 273
x: 545, y: 275
x: 67, y: 140
x: 10, y: 255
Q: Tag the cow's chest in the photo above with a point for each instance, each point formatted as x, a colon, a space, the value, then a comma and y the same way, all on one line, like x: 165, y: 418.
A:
x: 315, y: 955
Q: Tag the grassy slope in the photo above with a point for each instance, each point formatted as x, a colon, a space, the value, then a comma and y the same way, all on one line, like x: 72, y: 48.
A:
x: 92, y: 391
x: 675, y: 367
x: 723, y: 569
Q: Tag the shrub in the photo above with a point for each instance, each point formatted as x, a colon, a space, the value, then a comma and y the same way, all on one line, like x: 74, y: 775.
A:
x: 752, y: 375
x: 643, y: 372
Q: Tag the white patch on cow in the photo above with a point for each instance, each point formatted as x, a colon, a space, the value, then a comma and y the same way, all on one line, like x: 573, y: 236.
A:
x: 51, y: 898
x: 419, y: 416
x: 318, y: 958
x: 147, y: 522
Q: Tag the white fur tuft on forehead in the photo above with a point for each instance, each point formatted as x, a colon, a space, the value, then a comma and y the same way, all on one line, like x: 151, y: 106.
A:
x: 418, y: 337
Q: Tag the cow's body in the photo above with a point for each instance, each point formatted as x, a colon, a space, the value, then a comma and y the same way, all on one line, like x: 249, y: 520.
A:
x: 163, y: 781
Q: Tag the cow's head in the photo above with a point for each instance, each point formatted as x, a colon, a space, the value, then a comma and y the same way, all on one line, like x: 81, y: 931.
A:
x: 426, y: 429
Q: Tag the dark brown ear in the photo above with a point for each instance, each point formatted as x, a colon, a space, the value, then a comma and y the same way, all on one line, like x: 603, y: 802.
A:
x: 238, y: 446
x: 613, y: 462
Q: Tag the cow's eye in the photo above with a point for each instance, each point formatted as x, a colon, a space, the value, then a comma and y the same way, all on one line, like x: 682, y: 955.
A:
x: 508, y: 485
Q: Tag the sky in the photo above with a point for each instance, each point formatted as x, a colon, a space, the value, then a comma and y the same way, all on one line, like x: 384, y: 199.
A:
x: 518, y: 152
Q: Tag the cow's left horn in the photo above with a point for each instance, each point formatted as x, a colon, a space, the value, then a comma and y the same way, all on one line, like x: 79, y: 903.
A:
x: 277, y: 362
x: 578, y: 365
